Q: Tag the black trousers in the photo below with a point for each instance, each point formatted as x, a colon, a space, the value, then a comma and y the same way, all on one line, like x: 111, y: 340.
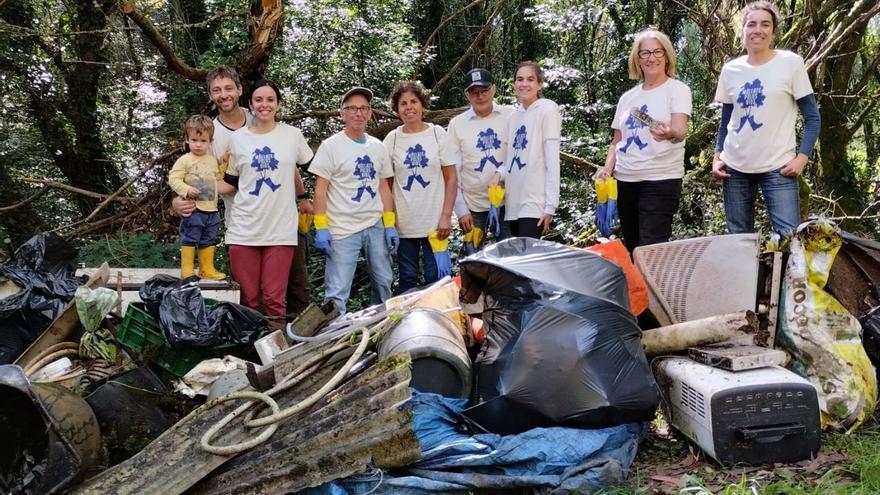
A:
x: 646, y: 209
x: 525, y: 227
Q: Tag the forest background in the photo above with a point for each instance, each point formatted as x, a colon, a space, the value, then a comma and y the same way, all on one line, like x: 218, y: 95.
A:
x: 95, y: 92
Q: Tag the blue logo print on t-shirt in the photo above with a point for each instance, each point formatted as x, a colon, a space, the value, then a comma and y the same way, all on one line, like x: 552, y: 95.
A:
x: 634, y: 126
x: 415, y: 159
x: 520, y: 142
x: 751, y: 96
x: 264, y: 162
x: 487, y: 142
x: 366, y: 173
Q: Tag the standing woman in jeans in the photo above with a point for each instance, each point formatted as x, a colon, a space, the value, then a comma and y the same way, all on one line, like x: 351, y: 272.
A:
x: 760, y: 94
x: 648, y: 160
x: 424, y: 184
x: 532, y: 172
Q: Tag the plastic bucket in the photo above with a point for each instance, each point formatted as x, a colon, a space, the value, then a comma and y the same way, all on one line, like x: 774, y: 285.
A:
x: 440, y: 362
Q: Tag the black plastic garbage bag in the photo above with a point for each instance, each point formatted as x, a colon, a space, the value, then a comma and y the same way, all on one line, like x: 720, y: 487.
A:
x: 236, y: 324
x: 561, y: 348
x: 154, y: 289
x: 184, y: 318
x: 44, y: 269
x: 871, y: 336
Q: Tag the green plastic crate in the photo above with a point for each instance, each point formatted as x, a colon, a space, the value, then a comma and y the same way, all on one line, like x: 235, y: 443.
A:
x: 140, y: 333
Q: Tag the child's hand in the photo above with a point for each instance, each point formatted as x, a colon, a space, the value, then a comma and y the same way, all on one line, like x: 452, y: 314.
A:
x: 193, y: 192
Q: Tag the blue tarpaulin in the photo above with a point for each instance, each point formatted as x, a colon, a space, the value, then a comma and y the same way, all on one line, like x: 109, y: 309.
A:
x: 551, y: 460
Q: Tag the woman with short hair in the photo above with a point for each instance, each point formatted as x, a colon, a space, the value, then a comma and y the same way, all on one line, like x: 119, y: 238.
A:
x: 424, y: 184
x: 646, y: 155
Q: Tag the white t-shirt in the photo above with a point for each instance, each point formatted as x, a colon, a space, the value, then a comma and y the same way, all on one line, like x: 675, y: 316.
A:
x: 419, y: 188
x: 354, y: 171
x: 526, y: 179
x: 639, y: 156
x: 221, y: 142
x: 481, y: 143
x: 264, y: 211
x: 761, y: 132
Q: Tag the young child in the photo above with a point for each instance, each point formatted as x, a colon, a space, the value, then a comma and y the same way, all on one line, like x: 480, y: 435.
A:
x: 194, y: 176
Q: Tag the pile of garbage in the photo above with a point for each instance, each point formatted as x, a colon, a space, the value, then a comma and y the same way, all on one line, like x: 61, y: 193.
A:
x: 529, y: 372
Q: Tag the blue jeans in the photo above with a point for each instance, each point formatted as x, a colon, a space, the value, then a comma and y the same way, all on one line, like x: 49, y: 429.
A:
x: 780, y: 194
x: 341, y: 265
x: 410, y: 252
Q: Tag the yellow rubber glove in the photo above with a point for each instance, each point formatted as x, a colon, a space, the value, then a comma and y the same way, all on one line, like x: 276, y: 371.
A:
x: 323, y: 239
x: 440, y: 247
x: 305, y: 222
x: 496, y: 199
x: 392, y: 240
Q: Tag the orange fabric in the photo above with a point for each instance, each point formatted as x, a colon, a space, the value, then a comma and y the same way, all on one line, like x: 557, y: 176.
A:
x: 616, y: 252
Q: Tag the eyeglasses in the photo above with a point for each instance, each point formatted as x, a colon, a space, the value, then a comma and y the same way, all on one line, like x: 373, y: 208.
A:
x: 476, y: 93
x: 356, y: 110
x: 658, y: 53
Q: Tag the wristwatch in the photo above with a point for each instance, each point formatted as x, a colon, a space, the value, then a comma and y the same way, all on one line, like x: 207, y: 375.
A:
x: 300, y: 197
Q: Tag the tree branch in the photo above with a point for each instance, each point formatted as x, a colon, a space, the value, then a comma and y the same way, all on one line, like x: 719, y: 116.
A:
x: 25, y: 202
x: 51, y: 184
x: 113, y: 196
x: 577, y: 161
x: 481, y: 36
x: 174, y: 62
x: 440, y: 27
x: 853, y: 25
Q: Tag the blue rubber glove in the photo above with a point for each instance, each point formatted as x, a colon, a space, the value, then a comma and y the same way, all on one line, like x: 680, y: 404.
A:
x: 602, y: 207
x: 611, y: 212
x: 440, y: 247
x: 323, y: 239
x: 392, y: 240
x: 496, y: 199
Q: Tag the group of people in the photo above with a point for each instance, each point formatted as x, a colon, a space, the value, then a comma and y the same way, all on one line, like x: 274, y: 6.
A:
x: 760, y: 94
x: 496, y: 167
x: 378, y: 198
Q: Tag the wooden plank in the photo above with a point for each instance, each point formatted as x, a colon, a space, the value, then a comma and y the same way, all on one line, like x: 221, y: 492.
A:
x: 174, y: 462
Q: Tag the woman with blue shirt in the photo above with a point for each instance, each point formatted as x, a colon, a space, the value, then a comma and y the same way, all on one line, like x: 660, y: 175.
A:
x: 761, y: 93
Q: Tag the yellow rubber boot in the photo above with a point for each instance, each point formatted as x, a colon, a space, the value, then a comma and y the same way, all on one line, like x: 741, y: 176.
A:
x: 187, y: 261
x: 206, y: 264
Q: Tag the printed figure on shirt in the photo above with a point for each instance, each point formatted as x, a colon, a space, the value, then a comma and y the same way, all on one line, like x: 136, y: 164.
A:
x: 520, y: 142
x: 366, y: 173
x: 264, y: 162
x: 415, y: 160
x: 751, y: 96
x: 634, y: 126
x: 488, y: 143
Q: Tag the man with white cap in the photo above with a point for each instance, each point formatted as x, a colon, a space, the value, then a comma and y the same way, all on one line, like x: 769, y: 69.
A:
x: 353, y: 205
x: 479, y: 137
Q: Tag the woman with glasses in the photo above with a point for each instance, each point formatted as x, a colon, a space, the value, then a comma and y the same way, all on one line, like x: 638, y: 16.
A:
x: 761, y: 93
x: 424, y: 185
x: 646, y: 155
x: 532, y: 172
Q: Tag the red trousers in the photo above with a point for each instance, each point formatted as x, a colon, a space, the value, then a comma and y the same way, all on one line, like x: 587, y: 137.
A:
x: 262, y: 273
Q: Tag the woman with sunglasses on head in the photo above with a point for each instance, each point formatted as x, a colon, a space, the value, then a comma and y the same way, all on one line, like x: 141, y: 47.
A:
x: 531, y: 177
x: 424, y: 185
x: 761, y: 93
x: 646, y: 155
x: 263, y: 176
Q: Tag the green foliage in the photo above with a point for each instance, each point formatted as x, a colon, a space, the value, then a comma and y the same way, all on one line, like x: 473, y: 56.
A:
x: 133, y: 251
